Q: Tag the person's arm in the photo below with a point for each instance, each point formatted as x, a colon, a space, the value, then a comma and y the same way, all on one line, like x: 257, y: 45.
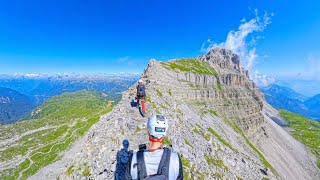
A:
x: 137, y: 90
x: 145, y: 93
x: 180, y: 176
x: 128, y: 176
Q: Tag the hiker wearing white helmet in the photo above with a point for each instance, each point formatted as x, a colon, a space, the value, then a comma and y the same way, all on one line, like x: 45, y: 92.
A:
x: 156, y: 162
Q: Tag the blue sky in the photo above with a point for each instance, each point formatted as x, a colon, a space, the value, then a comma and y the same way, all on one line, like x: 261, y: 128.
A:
x: 116, y: 36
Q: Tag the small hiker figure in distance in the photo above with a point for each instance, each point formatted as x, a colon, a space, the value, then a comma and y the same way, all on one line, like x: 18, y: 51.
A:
x: 141, y: 97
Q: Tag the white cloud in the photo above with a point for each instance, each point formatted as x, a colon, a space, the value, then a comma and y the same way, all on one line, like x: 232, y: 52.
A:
x: 123, y: 59
x: 266, y: 56
x: 126, y: 60
x: 251, y: 57
x: 262, y: 80
x: 236, y: 40
x: 206, y: 46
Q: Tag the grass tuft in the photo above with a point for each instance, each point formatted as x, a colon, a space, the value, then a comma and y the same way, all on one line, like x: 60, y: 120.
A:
x: 221, y: 139
x: 167, y: 141
x: 212, y: 161
x: 185, y: 162
x: 86, y: 171
x: 186, y: 168
x: 213, y: 112
x: 219, y: 86
x: 207, y: 137
x: 138, y: 129
x: 70, y: 170
x: 159, y: 92
x: 188, y: 143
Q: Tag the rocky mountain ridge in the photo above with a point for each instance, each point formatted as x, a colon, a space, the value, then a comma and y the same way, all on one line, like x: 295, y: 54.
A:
x: 219, y: 123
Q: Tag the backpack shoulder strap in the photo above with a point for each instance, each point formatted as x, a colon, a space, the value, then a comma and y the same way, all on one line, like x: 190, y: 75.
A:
x: 163, y: 168
x: 142, y: 171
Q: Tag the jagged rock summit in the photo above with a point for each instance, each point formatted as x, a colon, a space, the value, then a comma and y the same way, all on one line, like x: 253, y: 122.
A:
x: 224, y: 58
x: 219, y: 123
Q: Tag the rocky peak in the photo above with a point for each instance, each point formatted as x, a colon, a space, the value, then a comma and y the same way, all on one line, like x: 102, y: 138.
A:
x: 213, y: 89
x: 224, y: 59
x: 222, y: 56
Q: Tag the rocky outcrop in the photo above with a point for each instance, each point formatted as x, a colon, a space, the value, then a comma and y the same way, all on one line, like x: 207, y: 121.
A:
x: 219, y: 123
x: 231, y: 92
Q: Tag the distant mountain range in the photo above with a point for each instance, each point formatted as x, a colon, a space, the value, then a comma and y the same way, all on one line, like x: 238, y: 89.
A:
x: 68, y: 75
x: 13, y: 105
x: 285, y: 98
x: 34, y: 89
x: 313, y: 103
x: 308, y: 88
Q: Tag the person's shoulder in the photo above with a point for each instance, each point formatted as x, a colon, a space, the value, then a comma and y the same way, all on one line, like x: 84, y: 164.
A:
x: 174, y: 156
x: 172, y: 150
x: 175, y: 165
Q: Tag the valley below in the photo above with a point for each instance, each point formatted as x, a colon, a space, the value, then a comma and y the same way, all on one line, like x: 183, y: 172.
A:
x: 29, y: 145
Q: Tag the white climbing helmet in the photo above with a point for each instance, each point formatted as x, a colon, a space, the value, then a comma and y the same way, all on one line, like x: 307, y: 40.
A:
x: 158, y: 126
x: 140, y: 81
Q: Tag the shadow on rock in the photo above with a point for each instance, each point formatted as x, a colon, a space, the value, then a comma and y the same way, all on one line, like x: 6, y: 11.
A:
x: 122, y: 159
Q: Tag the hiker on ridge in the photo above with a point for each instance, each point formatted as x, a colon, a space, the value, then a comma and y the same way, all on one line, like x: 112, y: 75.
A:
x: 156, y: 162
x: 141, y: 91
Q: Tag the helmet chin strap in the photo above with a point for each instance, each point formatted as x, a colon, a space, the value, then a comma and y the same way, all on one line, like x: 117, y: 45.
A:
x: 155, y: 140
x: 151, y: 139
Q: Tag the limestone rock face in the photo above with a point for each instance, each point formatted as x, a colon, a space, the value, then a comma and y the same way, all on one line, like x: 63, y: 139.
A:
x: 238, y: 99
x: 223, y: 58
x: 219, y: 123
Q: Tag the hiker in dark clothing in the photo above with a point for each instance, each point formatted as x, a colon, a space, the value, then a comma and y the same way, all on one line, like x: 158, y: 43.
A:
x: 141, y: 91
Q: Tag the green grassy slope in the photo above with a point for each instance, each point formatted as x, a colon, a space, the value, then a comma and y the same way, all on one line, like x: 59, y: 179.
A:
x: 190, y: 65
x: 305, y: 130
x: 53, y: 127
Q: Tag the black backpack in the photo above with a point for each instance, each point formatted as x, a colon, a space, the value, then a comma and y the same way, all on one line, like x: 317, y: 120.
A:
x: 163, y: 169
x: 141, y: 90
